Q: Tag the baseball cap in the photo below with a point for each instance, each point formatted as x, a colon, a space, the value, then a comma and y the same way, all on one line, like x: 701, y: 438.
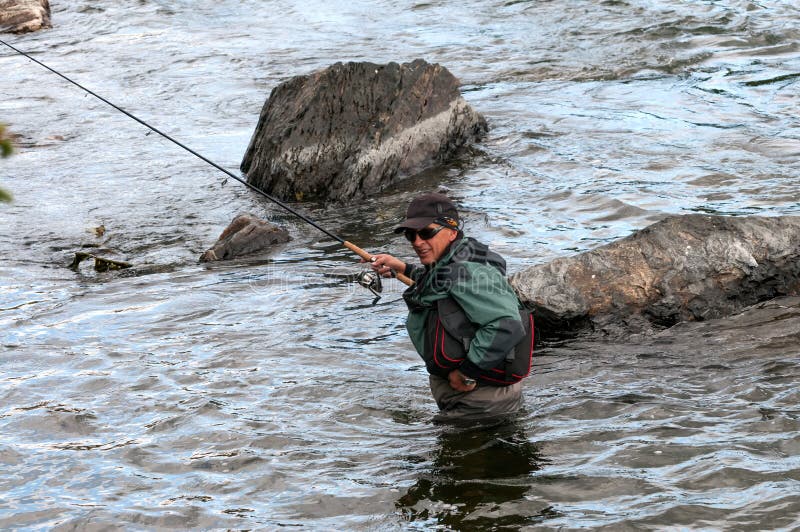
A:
x: 428, y: 208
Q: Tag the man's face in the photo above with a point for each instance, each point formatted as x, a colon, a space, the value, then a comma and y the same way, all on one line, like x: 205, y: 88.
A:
x: 432, y: 249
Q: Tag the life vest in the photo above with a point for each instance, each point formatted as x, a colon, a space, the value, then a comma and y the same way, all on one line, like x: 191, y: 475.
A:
x: 450, y: 333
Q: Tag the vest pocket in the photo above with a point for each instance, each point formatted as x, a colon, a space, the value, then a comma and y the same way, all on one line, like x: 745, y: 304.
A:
x: 444, y: 351
x: 449, y: 351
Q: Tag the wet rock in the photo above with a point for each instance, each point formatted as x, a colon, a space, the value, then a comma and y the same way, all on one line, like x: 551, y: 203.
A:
x: 22, y: 16
x: 245, y: 234
x: 683, y: 268
x: 354, y: 128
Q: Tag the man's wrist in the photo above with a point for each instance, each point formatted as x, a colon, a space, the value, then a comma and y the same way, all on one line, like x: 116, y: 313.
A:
x: 469, y: 381
x: 463, y: 379
x: 468, y: 369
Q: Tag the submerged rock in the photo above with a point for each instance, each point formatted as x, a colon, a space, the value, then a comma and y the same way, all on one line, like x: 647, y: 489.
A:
x: 759, y: 343
x: 22, y: 16
x: 767, y: 329
x: 354, y: 128
x: 245, y: 234
x: 683, y: 268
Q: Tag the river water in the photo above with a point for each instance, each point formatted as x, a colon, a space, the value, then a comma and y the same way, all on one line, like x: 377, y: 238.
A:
x: 269, y: 392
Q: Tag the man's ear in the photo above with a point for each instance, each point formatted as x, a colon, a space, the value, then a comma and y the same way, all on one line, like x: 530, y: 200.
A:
x: 453, y: 235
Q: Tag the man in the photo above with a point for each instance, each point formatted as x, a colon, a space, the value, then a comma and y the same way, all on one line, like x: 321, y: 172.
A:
x: 464, y: 318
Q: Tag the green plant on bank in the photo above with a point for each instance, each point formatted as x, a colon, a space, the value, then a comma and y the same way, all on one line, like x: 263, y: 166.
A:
x: 5, y: 150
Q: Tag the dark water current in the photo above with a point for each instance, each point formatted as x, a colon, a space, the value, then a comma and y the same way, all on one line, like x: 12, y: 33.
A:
x: 267, y: 393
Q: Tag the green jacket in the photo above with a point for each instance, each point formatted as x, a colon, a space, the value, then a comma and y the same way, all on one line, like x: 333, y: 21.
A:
x: 474, y: 277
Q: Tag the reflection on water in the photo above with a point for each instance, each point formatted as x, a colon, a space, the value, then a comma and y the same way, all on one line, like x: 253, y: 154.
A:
x: 478, y: 479
x: 269, y: 392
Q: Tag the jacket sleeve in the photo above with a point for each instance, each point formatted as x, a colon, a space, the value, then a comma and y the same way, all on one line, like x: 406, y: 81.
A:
x: 491, y: 304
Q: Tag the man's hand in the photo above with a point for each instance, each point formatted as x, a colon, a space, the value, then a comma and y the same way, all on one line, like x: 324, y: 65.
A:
x: 456, y: 379
x: 384, y: 264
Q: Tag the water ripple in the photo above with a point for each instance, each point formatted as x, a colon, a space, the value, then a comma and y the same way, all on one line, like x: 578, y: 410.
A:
x: 271, y: 392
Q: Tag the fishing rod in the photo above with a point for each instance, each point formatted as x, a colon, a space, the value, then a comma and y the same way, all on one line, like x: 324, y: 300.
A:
x: 370, y: 281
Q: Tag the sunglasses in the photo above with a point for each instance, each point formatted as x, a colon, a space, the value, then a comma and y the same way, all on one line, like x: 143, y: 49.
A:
x: 425, y: 234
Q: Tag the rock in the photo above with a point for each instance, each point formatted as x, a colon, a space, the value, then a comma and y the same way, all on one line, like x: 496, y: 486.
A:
x: 22, y: 16
x: 245, y: 234
x: 355, y: 128
x: 683, y: 268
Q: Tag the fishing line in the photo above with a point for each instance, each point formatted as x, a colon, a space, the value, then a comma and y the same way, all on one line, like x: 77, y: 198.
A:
x: 349, y: 245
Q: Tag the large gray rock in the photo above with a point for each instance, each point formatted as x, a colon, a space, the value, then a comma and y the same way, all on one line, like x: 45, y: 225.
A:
x: 21, y: 16
x: 354, y: 128
x: 683, y: 268
x: 246, y: 234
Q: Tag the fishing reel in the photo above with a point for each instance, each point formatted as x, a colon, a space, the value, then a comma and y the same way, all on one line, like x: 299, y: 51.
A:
x: 372, y: 282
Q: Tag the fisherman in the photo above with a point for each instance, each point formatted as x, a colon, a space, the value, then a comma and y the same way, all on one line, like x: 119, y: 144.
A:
x: 464, y: 318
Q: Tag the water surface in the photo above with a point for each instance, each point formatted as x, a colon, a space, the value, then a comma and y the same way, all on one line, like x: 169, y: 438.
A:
x: 268, y: 391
